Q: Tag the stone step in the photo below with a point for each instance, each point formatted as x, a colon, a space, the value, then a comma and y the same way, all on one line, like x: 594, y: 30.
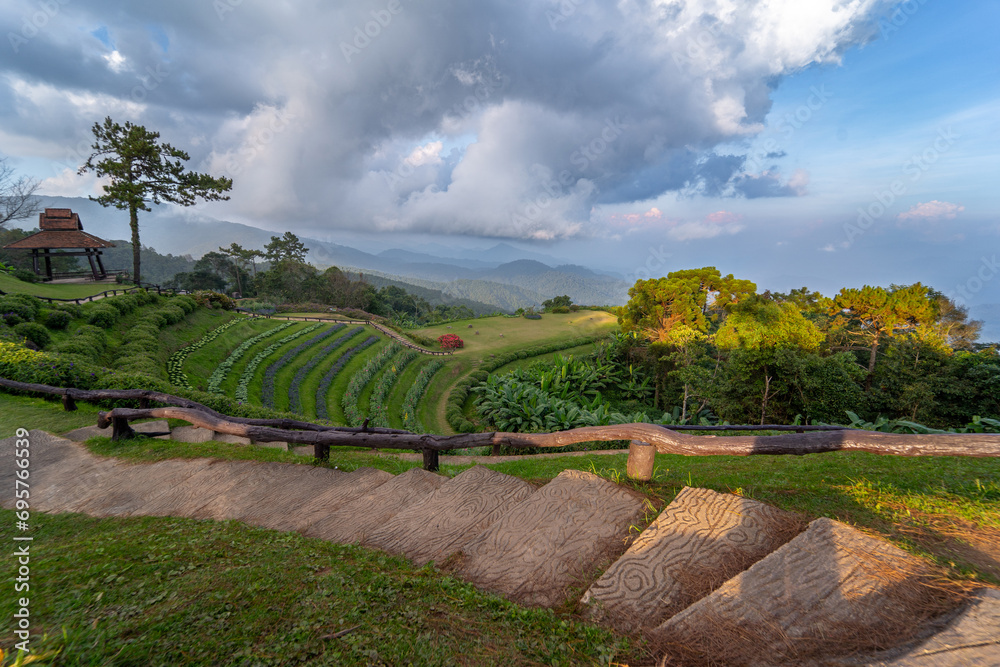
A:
x: 452, y: 515
x: 830, y: 591
x: 134, y: 486
x: 260, y: 485
x: 697, y: 543
x: 353, y: 520
x: 190, y: 496
x: 971, y: 638
x: 552, y: 540
x: 306, y: 509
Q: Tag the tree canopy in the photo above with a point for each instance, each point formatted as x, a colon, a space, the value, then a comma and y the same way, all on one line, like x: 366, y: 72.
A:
x: 144, y: 170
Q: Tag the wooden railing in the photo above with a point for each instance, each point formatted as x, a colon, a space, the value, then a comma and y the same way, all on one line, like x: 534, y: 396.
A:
x: 107, y: 293
x: 665, y: 440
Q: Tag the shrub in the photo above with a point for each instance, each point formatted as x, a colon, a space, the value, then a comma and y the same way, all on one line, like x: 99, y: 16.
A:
x: 560, y: 309
x: 211, y: 299
x: 451, y: 342
x: 103, y: 316
x: 57, y: 319
x: 25, y: 275
x: 77, y: 347
x: 124, y: 304
x: 34, y: 303
x: 34, y: 332
x: 171, y: 314
x: 14, y: 311
x: 92, y: 336
x: 185, y: 303
x: 532, y: 316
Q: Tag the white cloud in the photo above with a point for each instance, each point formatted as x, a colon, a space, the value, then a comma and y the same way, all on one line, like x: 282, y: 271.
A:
x: 932, y: 211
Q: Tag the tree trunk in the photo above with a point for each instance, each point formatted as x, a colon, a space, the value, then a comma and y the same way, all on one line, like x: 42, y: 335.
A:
x: 871, y: 365
x: 763, y: 404
x: 134, y: 224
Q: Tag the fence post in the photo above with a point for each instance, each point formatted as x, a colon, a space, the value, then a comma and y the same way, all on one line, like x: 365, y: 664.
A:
x: 321, y: 451
x: 69, y: 405
x: 120, y: 430
x: 431, y: 460
x: 640, y: 461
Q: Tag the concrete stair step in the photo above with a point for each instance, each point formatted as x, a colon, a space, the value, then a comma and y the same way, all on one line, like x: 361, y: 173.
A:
x: 697, y: 543
x: 190, y: 496
x: 351, y: 521
x: 552, y: 540
x: 830, y: 591
x: 138, y: 484
x: 324, y: 501
x: 971, y: 638
x: 260, y: 485
x: 455, y: 513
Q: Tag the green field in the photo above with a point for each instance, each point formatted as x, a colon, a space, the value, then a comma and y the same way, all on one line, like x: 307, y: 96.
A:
x: 12, y: 285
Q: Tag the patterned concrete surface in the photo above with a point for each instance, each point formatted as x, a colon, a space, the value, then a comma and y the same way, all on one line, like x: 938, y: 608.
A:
x: 455, y: 513
x: 552, y: 540
x: 698, y: 542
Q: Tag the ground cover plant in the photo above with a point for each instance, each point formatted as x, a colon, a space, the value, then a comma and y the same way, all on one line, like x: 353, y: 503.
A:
x: 349, y: 401
x: 294, y: 397
x: 175, y: 370
x: 243, y: 387
x: 218, y: 376
x: 378, y: 410
x: 267, y: 391
x: 410, y: 418
x: 322, y: 411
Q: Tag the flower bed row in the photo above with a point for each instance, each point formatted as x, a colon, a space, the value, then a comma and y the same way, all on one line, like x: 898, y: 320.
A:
x: 415, y: 393
x: 175, y: 371
x: 378, y: 411
x: 349, y: 401
x: 267, y: 391
x: 222, y: 370
x: 324, y: 385
x: 294, y: 398
x: 243, y: 388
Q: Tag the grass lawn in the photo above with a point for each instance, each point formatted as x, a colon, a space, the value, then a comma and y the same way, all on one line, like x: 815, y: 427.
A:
x: 504, y: 334
x: 12, y: 285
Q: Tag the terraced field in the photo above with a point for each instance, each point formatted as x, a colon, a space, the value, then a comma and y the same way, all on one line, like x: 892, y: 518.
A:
x: 346, y: 373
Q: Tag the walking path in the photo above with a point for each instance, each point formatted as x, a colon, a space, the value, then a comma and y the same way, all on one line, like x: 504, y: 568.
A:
x: 713, y: 576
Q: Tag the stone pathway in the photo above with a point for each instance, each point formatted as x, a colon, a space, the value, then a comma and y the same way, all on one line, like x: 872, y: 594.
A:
x: 714, y: 578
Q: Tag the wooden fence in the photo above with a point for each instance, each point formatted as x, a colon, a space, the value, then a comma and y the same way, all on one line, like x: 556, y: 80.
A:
x: 107, y: 293
x: 666, y: 440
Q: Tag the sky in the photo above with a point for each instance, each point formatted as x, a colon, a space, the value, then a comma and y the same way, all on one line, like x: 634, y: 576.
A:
x: 819, y: 143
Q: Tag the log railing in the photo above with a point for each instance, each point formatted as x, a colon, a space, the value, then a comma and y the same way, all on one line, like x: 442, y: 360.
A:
x: 665, y: 440
x: 107, y: 293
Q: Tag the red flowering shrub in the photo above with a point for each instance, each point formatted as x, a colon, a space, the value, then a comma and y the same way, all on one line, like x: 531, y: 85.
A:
x: 451, y: 342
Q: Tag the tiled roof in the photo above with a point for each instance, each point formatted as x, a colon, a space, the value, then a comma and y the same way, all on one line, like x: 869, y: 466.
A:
x: 59, y: 220
x: 59, y: 239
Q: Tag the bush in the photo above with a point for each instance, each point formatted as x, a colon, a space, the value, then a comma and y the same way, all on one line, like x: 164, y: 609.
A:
x: 14, y: 311
x: 532, y: 316
x: 124, y: 304
x: 75, y: 310
x: 34, y: 332
x: 451, y: 342
x: 211, y: 299
x: 103, y: 316
x: 171, y: 314
x: 25, y: 275
x: 560, y: 309
x: 34, y: 303
x: 57, y: 319
x: 185, y: 303
x: 93, y: 336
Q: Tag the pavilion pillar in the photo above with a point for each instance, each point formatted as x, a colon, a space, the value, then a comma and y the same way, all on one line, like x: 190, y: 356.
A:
x: 93, y: 267
x: 104, y: 273
x: 34, y: 260
x: 48, y: 264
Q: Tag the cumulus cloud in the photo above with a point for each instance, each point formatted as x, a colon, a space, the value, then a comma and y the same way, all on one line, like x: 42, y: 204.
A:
x: 483, y: 120
x: 932, y: 211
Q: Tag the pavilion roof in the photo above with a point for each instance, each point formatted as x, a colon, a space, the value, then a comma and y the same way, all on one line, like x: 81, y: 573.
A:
x: 60, y: 229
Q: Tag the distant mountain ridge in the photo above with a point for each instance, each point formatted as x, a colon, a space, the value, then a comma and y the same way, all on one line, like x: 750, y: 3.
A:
x: 502, y: 276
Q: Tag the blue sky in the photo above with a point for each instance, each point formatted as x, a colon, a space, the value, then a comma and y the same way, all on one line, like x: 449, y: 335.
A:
x: 639, y: 136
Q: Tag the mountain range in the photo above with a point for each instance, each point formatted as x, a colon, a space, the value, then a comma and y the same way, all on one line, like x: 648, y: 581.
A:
x: 501, y: 276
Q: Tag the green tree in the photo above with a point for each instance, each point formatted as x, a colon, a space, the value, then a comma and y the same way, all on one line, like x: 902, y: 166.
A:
x: 869, y: 315
x: 556, y: 302
x: 142, y: 169
x: 285, y: 248
x: 689, y: 299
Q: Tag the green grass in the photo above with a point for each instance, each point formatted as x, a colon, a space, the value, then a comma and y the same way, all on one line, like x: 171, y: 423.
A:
x: 165, y: 591
x: 284, y: 377
x: 12, y: 285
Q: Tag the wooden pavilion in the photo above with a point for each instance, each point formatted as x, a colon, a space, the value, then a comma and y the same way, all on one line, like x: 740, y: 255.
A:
x: 61, y: 229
